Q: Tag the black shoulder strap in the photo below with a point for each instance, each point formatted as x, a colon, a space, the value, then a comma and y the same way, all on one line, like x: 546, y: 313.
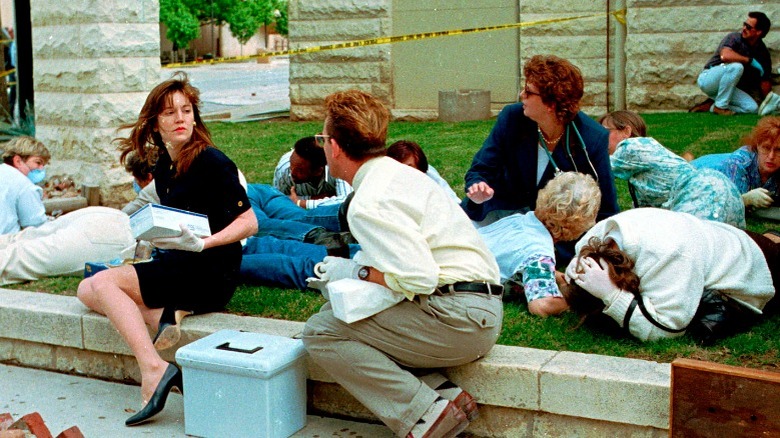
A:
x: 638, y: 300
x: 632, y: 192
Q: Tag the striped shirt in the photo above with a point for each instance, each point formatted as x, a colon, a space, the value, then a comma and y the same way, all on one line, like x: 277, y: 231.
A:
x: 334, y: 189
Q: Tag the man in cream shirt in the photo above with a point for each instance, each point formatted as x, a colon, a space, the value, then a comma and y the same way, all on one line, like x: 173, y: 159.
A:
x: 418, y: 243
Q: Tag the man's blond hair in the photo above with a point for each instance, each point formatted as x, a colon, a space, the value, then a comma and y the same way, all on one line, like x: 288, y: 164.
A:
x: 568, y: 204
x: 25, y: 147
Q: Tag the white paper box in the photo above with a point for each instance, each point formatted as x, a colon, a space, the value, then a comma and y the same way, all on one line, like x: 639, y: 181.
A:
x: 243, y: 384
x: 155, y: 220
x: 352, y: 300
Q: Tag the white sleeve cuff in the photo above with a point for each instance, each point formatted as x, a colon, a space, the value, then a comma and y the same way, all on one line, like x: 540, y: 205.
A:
x: 619, y: 306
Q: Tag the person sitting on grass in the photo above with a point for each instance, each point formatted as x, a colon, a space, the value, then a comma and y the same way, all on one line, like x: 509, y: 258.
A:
x: 657, y: 273
x: 302, y: 174
x: 753, y: 168
x: 657, y: 177
x: 33, y: 247
x: 143, y: 183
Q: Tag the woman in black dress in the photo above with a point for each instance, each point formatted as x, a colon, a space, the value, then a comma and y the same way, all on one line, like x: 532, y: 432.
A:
x: 190, y: 273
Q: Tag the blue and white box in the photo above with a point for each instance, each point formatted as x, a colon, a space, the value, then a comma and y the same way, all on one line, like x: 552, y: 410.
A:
x: 155, y: 220
x: 243, y: 384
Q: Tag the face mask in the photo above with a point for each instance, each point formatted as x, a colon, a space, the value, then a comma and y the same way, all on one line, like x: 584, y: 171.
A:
x: 36, y: 175
x: 136, y: 187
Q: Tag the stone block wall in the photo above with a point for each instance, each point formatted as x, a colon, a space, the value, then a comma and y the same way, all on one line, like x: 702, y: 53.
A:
x: 314, y: 76
x: 668, y: 42
x: 584, y: 42
x: 522, y: 392
x: 94, y: 64
x: 648, y: 64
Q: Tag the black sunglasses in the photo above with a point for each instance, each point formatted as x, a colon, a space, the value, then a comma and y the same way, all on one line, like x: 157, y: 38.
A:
x: 747, y: 26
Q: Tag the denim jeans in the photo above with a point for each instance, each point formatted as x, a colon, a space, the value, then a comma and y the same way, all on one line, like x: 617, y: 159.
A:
x: 278, y: 216
x: 281, y: 263
x: 720, y: 83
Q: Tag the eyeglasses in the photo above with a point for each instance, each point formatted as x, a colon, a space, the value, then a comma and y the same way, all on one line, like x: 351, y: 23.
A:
x: 321, y: 139
x: 747, y: 26
x: 528, y: 92
x: 766, y: 149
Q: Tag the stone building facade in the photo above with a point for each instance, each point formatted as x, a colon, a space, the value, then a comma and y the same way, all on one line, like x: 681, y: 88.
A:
x: 95, y: 61
x: 650, y: 63
x: 94, y: 64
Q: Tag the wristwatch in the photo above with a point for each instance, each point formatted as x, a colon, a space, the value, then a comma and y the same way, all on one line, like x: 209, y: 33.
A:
x: 363, y: 272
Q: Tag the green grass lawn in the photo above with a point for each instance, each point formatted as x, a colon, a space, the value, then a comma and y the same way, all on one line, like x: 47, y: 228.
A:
x: 256, y: 147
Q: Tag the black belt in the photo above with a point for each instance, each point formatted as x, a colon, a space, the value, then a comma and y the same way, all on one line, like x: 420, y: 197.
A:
x: 467, y: 286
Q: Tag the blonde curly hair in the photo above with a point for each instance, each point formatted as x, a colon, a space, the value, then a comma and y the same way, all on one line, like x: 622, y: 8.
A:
x: 568, y: 204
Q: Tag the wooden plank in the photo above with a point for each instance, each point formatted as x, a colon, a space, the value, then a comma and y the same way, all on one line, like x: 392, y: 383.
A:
x: 92, y: 194
x: 714, y: 400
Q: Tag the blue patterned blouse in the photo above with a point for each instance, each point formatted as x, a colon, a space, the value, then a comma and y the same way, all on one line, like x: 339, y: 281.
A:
x: 663, y: 179
x: 741, y: 167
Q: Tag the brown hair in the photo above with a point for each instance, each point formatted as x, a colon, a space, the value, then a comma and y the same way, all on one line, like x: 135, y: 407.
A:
x: 568, y: 204
x: 139, y: 168
x: 358, y: 121
x: 621, y: 271
x: 622, y: 119
x: 403, y: 149
x: 559, y: 82
x: 144, y: 138
x: 25, y: 147
x: 766, y: 133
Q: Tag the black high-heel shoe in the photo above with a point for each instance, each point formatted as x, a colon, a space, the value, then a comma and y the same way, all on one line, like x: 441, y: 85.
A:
x: 169, y: 330
x: 171, y: 378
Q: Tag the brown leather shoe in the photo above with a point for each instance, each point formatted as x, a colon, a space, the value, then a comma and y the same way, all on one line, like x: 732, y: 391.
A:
x: 446, y: 389
x: 466, y: 403
x: 442, y: 420
x: 722, y: 111
x: 703, y: 107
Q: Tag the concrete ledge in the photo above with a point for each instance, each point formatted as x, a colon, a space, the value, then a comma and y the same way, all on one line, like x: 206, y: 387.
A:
x: 522, y: 392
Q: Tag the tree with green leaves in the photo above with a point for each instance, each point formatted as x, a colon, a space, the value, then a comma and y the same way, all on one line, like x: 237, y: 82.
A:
x: 246, y: 17
x: 183, y: 25
x: 184, y: 17
x: 280, y: 16
x: 211, y: 11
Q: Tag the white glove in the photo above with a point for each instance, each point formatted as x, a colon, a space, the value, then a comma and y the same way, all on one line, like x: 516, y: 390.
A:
x: 186, y: 241
x: 319, y: 284
x: 336, y: 268
x: 595, y: 279
x: 758, y: 198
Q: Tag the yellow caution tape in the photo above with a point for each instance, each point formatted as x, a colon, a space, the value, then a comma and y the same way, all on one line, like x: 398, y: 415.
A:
x: 6, y: 73
x: 620, y: 16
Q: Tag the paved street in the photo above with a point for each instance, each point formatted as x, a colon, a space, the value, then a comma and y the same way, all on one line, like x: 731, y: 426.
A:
x: 230, y: 87
x: 100, y: 408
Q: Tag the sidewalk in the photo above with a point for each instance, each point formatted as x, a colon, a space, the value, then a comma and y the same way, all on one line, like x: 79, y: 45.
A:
x: 100, y: 408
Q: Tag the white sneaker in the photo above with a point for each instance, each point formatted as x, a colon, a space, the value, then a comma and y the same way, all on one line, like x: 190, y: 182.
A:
x: 770, y: 104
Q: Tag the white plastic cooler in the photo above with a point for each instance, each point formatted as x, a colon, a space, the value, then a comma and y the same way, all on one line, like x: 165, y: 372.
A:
x: 243, y: 384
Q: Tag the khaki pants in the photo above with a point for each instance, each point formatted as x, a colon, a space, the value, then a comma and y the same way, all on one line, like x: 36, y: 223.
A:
x: 62, y: 246
x: 366, y: 357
